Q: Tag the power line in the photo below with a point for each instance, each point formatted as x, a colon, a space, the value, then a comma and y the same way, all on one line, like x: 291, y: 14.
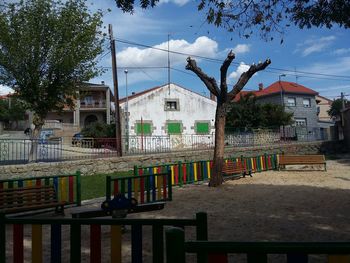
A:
x: 305, y: 73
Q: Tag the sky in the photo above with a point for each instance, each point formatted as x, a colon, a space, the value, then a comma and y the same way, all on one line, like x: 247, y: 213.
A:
x: 324, y: 53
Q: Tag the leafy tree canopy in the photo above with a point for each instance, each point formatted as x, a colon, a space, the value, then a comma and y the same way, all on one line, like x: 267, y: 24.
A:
x: 99, y: 130
x: 336, y: 107
x: 11, y: 109
x: 47, y: 47
x: 265, y: 16
x: 248, y: 114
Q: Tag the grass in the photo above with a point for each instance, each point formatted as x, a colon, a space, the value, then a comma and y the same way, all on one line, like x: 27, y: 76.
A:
x: 94, y: 186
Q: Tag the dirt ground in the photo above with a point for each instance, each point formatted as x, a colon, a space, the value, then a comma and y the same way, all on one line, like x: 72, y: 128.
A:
x: 298, y: 205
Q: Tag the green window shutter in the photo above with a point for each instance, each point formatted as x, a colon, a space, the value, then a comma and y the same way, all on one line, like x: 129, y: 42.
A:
x: 202, y: 127
x: 174, y: 128
x: 146, y: 128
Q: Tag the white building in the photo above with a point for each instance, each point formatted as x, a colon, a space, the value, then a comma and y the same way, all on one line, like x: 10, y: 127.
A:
x: 168, y: 110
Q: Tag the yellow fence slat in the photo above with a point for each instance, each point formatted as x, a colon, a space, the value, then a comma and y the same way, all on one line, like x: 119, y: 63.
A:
x: 339, y: 259
x: 116, y: 244
x: 63, y: 190
x: 37, y: 249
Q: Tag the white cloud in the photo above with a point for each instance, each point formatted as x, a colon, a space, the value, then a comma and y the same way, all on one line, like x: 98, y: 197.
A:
x: 5, y: 90
x: 341, y: 51
x: 176, y: 2
x: 240, y: 69
x: 314, y: 45
x: 137, y: 57
x: 339, y: 66
x: 241, y: 48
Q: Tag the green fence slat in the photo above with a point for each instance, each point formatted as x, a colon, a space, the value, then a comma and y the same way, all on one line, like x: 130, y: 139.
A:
x: 158, y: 244
x: 75, y: 242
x: 256, y: 258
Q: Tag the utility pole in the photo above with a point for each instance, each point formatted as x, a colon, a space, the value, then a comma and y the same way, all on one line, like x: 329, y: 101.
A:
x: 116, y: 95
x: 342, y: 97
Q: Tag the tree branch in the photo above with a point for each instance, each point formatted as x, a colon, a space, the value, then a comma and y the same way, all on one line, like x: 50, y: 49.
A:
x: 223, y: 72
x: 209, y: 82
x: 244, y: 78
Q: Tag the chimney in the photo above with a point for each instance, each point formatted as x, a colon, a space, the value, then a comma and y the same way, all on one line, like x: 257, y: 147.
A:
x: 261, y: 86
x: 133, y: 93
x: 212, y: 96
x: 102, y: 82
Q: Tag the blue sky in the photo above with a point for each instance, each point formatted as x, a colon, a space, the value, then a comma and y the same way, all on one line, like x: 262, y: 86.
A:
x: 320, y: 51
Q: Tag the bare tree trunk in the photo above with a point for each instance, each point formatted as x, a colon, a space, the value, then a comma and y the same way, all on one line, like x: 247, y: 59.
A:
x: 216, y: 178
x: 223, y: 98
x: 38, y: 122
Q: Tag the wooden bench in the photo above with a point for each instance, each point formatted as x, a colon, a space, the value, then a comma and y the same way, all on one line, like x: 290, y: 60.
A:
x: 24, y: 199
x: 301, y: 160
x: 230, y: 169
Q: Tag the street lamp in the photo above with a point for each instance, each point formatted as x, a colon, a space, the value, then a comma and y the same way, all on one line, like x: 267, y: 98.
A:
x: 282, y: 102
x: 126, y: 112
x: 279, y: 81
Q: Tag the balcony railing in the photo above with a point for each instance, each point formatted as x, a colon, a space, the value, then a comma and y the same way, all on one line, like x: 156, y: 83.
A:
x: 93, y: 104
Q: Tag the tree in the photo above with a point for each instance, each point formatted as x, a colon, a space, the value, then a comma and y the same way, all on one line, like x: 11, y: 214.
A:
x: 248, y: 114
x: 265, y: 16
x: 224, y: 97
x: 47, y: 48
x: 11, y: 110
x: 245, y: 113
x: 336, y: 107
x: 269, y: 16
x: 56, y: 51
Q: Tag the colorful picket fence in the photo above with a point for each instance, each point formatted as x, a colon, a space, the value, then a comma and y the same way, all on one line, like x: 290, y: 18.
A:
x: 95, y: 250
x: 256, y: 252
x: 67, y: 187
x: 151, y: 186
x: 196, y: 171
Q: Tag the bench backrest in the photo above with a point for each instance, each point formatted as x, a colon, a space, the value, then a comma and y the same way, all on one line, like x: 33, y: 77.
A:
x: 229, y: 165
x: 301, y: 159
x: 26, y: 197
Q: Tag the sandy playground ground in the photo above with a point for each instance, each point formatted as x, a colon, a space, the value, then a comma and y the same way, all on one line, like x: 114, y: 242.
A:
x: 270, y: 206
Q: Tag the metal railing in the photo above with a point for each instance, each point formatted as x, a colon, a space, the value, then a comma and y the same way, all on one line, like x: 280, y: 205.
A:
x: 17, y: 151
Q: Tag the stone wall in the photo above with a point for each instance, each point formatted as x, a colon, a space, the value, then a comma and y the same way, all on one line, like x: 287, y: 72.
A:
x: 110, y: 165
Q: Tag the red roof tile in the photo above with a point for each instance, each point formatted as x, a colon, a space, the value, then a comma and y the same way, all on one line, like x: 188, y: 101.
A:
x: 287, y: 87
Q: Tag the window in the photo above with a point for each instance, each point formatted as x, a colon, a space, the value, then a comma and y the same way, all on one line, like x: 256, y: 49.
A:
x: 144, y: 129
x: 291, y: 102
x: 202, y: 127
x: 300, y: 122
x: 172, y: 105
x: 174, y: 128
x: 307, y: 103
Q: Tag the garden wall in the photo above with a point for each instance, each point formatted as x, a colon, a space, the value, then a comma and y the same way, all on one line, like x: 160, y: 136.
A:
x: 110, y: 165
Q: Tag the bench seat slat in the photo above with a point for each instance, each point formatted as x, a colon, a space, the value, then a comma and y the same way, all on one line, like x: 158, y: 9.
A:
x: 301, y: 160
x: 23, y: 199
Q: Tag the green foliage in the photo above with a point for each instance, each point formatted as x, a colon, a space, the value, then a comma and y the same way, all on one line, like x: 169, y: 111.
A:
x: 47, y: 47
x: 248, y: 114
x: 11, y: 109
x: 99, y: 130
x: 336, y: 107
x: 268, y: 17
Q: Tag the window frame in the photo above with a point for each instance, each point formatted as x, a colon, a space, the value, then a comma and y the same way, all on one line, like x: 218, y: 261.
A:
x: 294, y: 104
x: 299, y: 121
x: 200, y: 123
x: 173, y: 123
x: 138, y: 131
x: 167, y: 102
x: 309, y: 103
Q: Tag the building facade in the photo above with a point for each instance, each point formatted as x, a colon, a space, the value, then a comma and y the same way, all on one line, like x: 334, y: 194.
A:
x: 168, y: 110
x: 93, y: 104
